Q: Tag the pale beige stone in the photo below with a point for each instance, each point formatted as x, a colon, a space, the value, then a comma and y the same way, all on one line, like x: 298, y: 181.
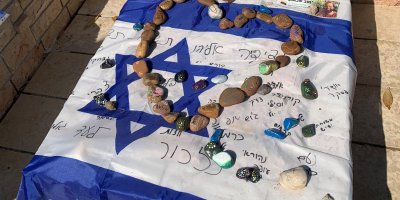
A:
x: 11, y: 166
x: 85, y: 34
x: 45, y: 20
x: 376, y: 22
x: 17, y: 49
x: 7, y: 32
x: 50, y: 37
x: 104, y: 8
x: 8, y: 93
x: 28, y: 122
x: 25, y: 70
x: 58, y: 74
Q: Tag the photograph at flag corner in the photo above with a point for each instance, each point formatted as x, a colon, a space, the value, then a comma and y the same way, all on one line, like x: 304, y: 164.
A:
x: 255, y: 108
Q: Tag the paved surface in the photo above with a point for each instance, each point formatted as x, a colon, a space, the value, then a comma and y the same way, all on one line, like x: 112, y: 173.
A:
x: 376, y: 131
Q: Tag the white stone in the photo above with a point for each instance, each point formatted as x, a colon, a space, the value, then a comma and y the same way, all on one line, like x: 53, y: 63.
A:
x: 294, y: 179
x: 223, y: 159
x: 219, y: 79
x: 215, y: 12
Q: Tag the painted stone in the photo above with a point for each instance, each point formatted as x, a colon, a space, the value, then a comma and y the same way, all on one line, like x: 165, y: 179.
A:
x: 150, y: 26
x: 142, y: 48
x: 282, y: 21
x: 148, y: 36
x: 289, y: 123
x: 308, y: 90
x: 154, y: 90
x: 215, y: 12
x: 207, y: 2
x: 225, y: 24
x: 108, y: 63
x: 223, y: 159
x: 296, y: 34
x: 159, y: 16
x: 240, y: 21
x: 171, y: 117
x: 219, y: 79
x: 264, y: 9
x: 211, y: 110
x: 137, y: 27
x: 328, y: 197
x: 294, y: 179
x: 166, y: 4
x: 264, y: 17
x: 162, y: 108
x: 302, y: 61
x: 179, y: 1
x: 251, y: 174
x: 182, y: 123
x: 216, y: 136
x: 154, y: 99
x: 151, y: 79
x: 291, y: 48
x: 231, y: 96
x: 251, y: 85
x: 273, y: 132
x: 198, y: 122
x: 181, y: 76
x: 212, y: 148
x: 111, y: 105
x: 249, y: 13
x: 308, y: 130
x: 140, y: 67
x: 201, y: 84
x: 100, y: 99
x: 264, y: 89
x: 282, y: 60
x: 267, y: 67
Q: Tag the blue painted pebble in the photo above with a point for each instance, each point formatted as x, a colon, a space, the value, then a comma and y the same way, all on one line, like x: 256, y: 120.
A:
x: 289, y: 123
x: 273, y: 132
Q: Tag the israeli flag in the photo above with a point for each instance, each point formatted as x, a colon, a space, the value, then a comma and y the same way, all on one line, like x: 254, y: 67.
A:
x: 133, y: 153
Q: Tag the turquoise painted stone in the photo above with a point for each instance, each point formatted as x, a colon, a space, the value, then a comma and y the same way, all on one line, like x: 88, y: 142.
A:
x: 216, y: 136
x: 273, y: 132
x: 212, y: 148
x: 137, y: 27
x: 219, y: 79
x: 223, y: 159
x: 308, y: 90
x: 264, y: 9
x: 302, y: 61
x: 182, y: 123
x: 309, y: 130
x: 267, y: 67
x: 289, y: 123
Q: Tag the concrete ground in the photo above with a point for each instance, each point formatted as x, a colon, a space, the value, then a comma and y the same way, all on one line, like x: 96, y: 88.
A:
x: 376, y: 131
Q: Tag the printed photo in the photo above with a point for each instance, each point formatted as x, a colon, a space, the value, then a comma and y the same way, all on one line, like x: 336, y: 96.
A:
x: 327, y: 8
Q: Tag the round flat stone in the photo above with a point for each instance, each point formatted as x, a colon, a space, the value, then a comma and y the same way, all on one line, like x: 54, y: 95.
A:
x: 182, y: 123
x: 151, y: 79
x: 249, y: 13
x: 308, y: 130
x: 282, y: 60
x: 201, y: 84
x: 267, y: 67
x: 251, y: 85
x: 240, y: 21
x: 264, y: 89
x: 231, y: 96
x: 162, y: 108
x: 211, y: 110
x: 282, y: 21
x: 181, y: 76
x: 264, y: 9
x: 215, y: 12
x: 198, y: 122
x: 291, y: 48
x: 294, y: 179
x: 308, y: 90
x: 223, y: 159
x: 225, y: 24
x: 264, y: 17
x: 303, y: 61
x: 219, y: 79
x: 140, y: 67
x: 137, y: 27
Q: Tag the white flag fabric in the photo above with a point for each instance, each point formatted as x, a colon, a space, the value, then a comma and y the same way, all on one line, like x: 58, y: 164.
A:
x: 133, y: 153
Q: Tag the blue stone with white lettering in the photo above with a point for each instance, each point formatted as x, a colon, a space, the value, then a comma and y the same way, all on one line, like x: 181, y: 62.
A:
x: 276, y: 133
x: 289, y: 123
x: 217, y: 135
x: 137, y: 27
x: 264, y: 9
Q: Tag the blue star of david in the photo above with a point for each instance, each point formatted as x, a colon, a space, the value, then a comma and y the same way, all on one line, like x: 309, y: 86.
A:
x: 152, y: 122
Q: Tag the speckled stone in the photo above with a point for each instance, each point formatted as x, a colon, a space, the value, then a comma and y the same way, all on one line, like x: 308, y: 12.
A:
x: 212, y: 148
x: 302, y: 61
x: 219, y: 79
x: 181, y: 76
x: 162, y: 108
x: 308, y: 90
x: 150, y: 26
x: 182, y: 123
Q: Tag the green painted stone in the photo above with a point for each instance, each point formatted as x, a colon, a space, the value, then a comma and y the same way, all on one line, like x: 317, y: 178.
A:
x: 308, y: 90
x: 267, y: 67
x: 302, y: 61
x: 182, y: 123
x: 223, y: 159
x: 309, y: 130
x: 212, y: 148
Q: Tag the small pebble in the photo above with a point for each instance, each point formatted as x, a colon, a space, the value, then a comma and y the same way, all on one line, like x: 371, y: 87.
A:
x: 212, y: 148
x: 151, y: 79
x: 108, y: 63
x: 181, y: 76
x: 100, y: 99
x: 264, y: 89
x: 219, y: 79
x: 267, y: 67
x: 308, y: 130
x: 308, y: 90
x: 225, y: 24
x: 201, y: 84
x: 211, y: 110
x: 290, y: 123
x: 166, y: 4
x: 111, y: 105
x: 251, y: 174
x: 162, y: 108
x: 249, y: 13
x: 231, y: 96
x: 140, y: 67
x: 294, y: 179
x: 223, y: 159
x: 291, y: 48
x: 240, y: 21
x: 251, y: 85
x: 215, y: 12
x: 198, y: 122
x: 264, y: 9
x: 282, y: 21
x: 273, y: 132
x: 302, y: 61
x: 182, y: 123
x: 282, y: 60
x: 137, y: 27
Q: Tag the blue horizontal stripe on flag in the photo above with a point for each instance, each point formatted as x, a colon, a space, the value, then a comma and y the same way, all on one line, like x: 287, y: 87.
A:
x: 65, y: 178
x: 320, y: 34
